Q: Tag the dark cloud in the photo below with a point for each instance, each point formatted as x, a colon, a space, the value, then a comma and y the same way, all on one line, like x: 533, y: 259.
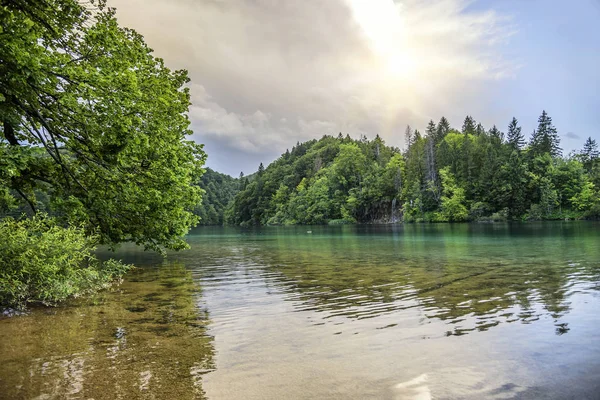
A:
x: 572, y: 135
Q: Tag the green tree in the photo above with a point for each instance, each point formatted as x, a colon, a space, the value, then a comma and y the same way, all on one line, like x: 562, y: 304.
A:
x: 219, y: 191
x: 469, y: 127
x: 514, y: 137
x: 590, y: 154
x: 92, y: 118
x: 496, y: 134
x: 545, y: 138
x: 443, y: 128
x: 453, y: 206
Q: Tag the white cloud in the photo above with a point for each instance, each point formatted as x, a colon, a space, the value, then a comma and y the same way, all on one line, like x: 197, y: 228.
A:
x: 267, y: 73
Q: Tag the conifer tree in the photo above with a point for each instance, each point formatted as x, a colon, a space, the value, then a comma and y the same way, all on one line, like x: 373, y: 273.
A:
x: 443, y: 128
x: 590, y: 149
x: 545, y: 139
x: 479, y: 130
x: 468, y: 127
x: 514, y: 137
x: 495, y: 133
x: 430, y: 131
x: 590, y: 153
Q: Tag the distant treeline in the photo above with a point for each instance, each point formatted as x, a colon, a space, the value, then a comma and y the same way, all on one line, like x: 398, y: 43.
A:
x: 219, y: 191
x: 443, y: 175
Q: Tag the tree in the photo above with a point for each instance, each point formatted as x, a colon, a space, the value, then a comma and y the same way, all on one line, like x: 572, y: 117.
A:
x: 469, y: 126
x: 453, y: 200
x: 219, y: 190
x: 514, y: 137
x: 590, y: 153
x: 479, y: 130
x: 430, y: 131
x: 443, y: 128
x: 496, y: 134
x: 90, y: 117
x: 545, y: 139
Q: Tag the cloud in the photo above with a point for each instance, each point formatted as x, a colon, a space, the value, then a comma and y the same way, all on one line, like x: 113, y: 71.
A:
x: 268, y: 73
x: 572, y: 135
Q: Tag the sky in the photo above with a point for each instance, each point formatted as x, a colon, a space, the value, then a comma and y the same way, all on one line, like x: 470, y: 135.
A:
x: 266, y: 74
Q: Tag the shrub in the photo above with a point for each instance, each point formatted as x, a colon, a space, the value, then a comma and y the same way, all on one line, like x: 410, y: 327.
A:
x: 535, y: 213
x: 42, y: 262
x: 341, y: 221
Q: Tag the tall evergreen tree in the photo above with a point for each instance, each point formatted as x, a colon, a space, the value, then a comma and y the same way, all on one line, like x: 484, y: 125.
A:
x: 514, y: 137
x: 496, y: 134
x: 417, y: 135
x: 479, y: 130
x: 545, y: 139
x: 469, y: 126
x: 590, y: 149
x: 590, y: 153
x: 443, y: 128
x: 430, y: 131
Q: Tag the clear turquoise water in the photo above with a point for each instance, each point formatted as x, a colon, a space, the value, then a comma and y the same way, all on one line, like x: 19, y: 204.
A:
x: 349, y: 312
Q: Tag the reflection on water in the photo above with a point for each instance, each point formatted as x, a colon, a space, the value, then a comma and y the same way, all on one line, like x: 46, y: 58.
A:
x: 473, y: 277
x: 145, y: 339
x: 351, y: 312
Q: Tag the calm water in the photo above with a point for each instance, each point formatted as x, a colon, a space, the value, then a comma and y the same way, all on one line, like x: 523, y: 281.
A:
x: 385, y: 312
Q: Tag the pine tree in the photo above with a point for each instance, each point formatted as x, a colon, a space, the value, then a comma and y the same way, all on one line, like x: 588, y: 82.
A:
x: 417, y: 136
x: 514, y: 137
x: 495, y: 133
x: 590, y: 153
x: 479, y: 130
x: 468, y: 127
x: 590, y: 149
x: 443, y: 128
x: 430, y: 131
x: 545, y: 139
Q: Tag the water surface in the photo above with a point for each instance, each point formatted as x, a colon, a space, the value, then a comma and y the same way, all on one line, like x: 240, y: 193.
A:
x: 351, y: 312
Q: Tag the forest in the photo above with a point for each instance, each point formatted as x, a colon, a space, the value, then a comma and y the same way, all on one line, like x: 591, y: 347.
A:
x: 442, y: 175
x: 219, y: 190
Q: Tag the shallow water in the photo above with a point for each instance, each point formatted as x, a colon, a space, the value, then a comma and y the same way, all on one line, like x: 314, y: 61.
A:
x: 349, y: 312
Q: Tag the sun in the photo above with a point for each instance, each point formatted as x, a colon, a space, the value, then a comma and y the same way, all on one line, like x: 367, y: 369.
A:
x: 382, y: 23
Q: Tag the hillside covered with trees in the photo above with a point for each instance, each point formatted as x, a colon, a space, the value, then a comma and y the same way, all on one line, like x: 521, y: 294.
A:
x: 443, y: 175
x: 219, y: 191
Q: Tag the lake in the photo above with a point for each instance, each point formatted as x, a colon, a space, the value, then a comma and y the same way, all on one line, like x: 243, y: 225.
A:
x: 443, y: 311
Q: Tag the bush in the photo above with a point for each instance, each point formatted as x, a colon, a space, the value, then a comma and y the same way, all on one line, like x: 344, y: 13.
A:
x: 341, y: 221
x: 535, y: 213
x: 478, y: 211
x: 42, y: 262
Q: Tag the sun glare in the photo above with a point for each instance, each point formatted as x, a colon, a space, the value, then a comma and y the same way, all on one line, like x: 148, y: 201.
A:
x: 382, y: 23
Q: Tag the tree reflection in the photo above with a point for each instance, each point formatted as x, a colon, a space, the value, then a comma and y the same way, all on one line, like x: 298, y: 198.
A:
x: 471, y: 278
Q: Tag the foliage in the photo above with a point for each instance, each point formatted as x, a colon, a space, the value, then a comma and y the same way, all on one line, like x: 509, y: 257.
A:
x: 447, y: 175
x: 219, y: 189
x: 92, y: 120
x: 43, y: 262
